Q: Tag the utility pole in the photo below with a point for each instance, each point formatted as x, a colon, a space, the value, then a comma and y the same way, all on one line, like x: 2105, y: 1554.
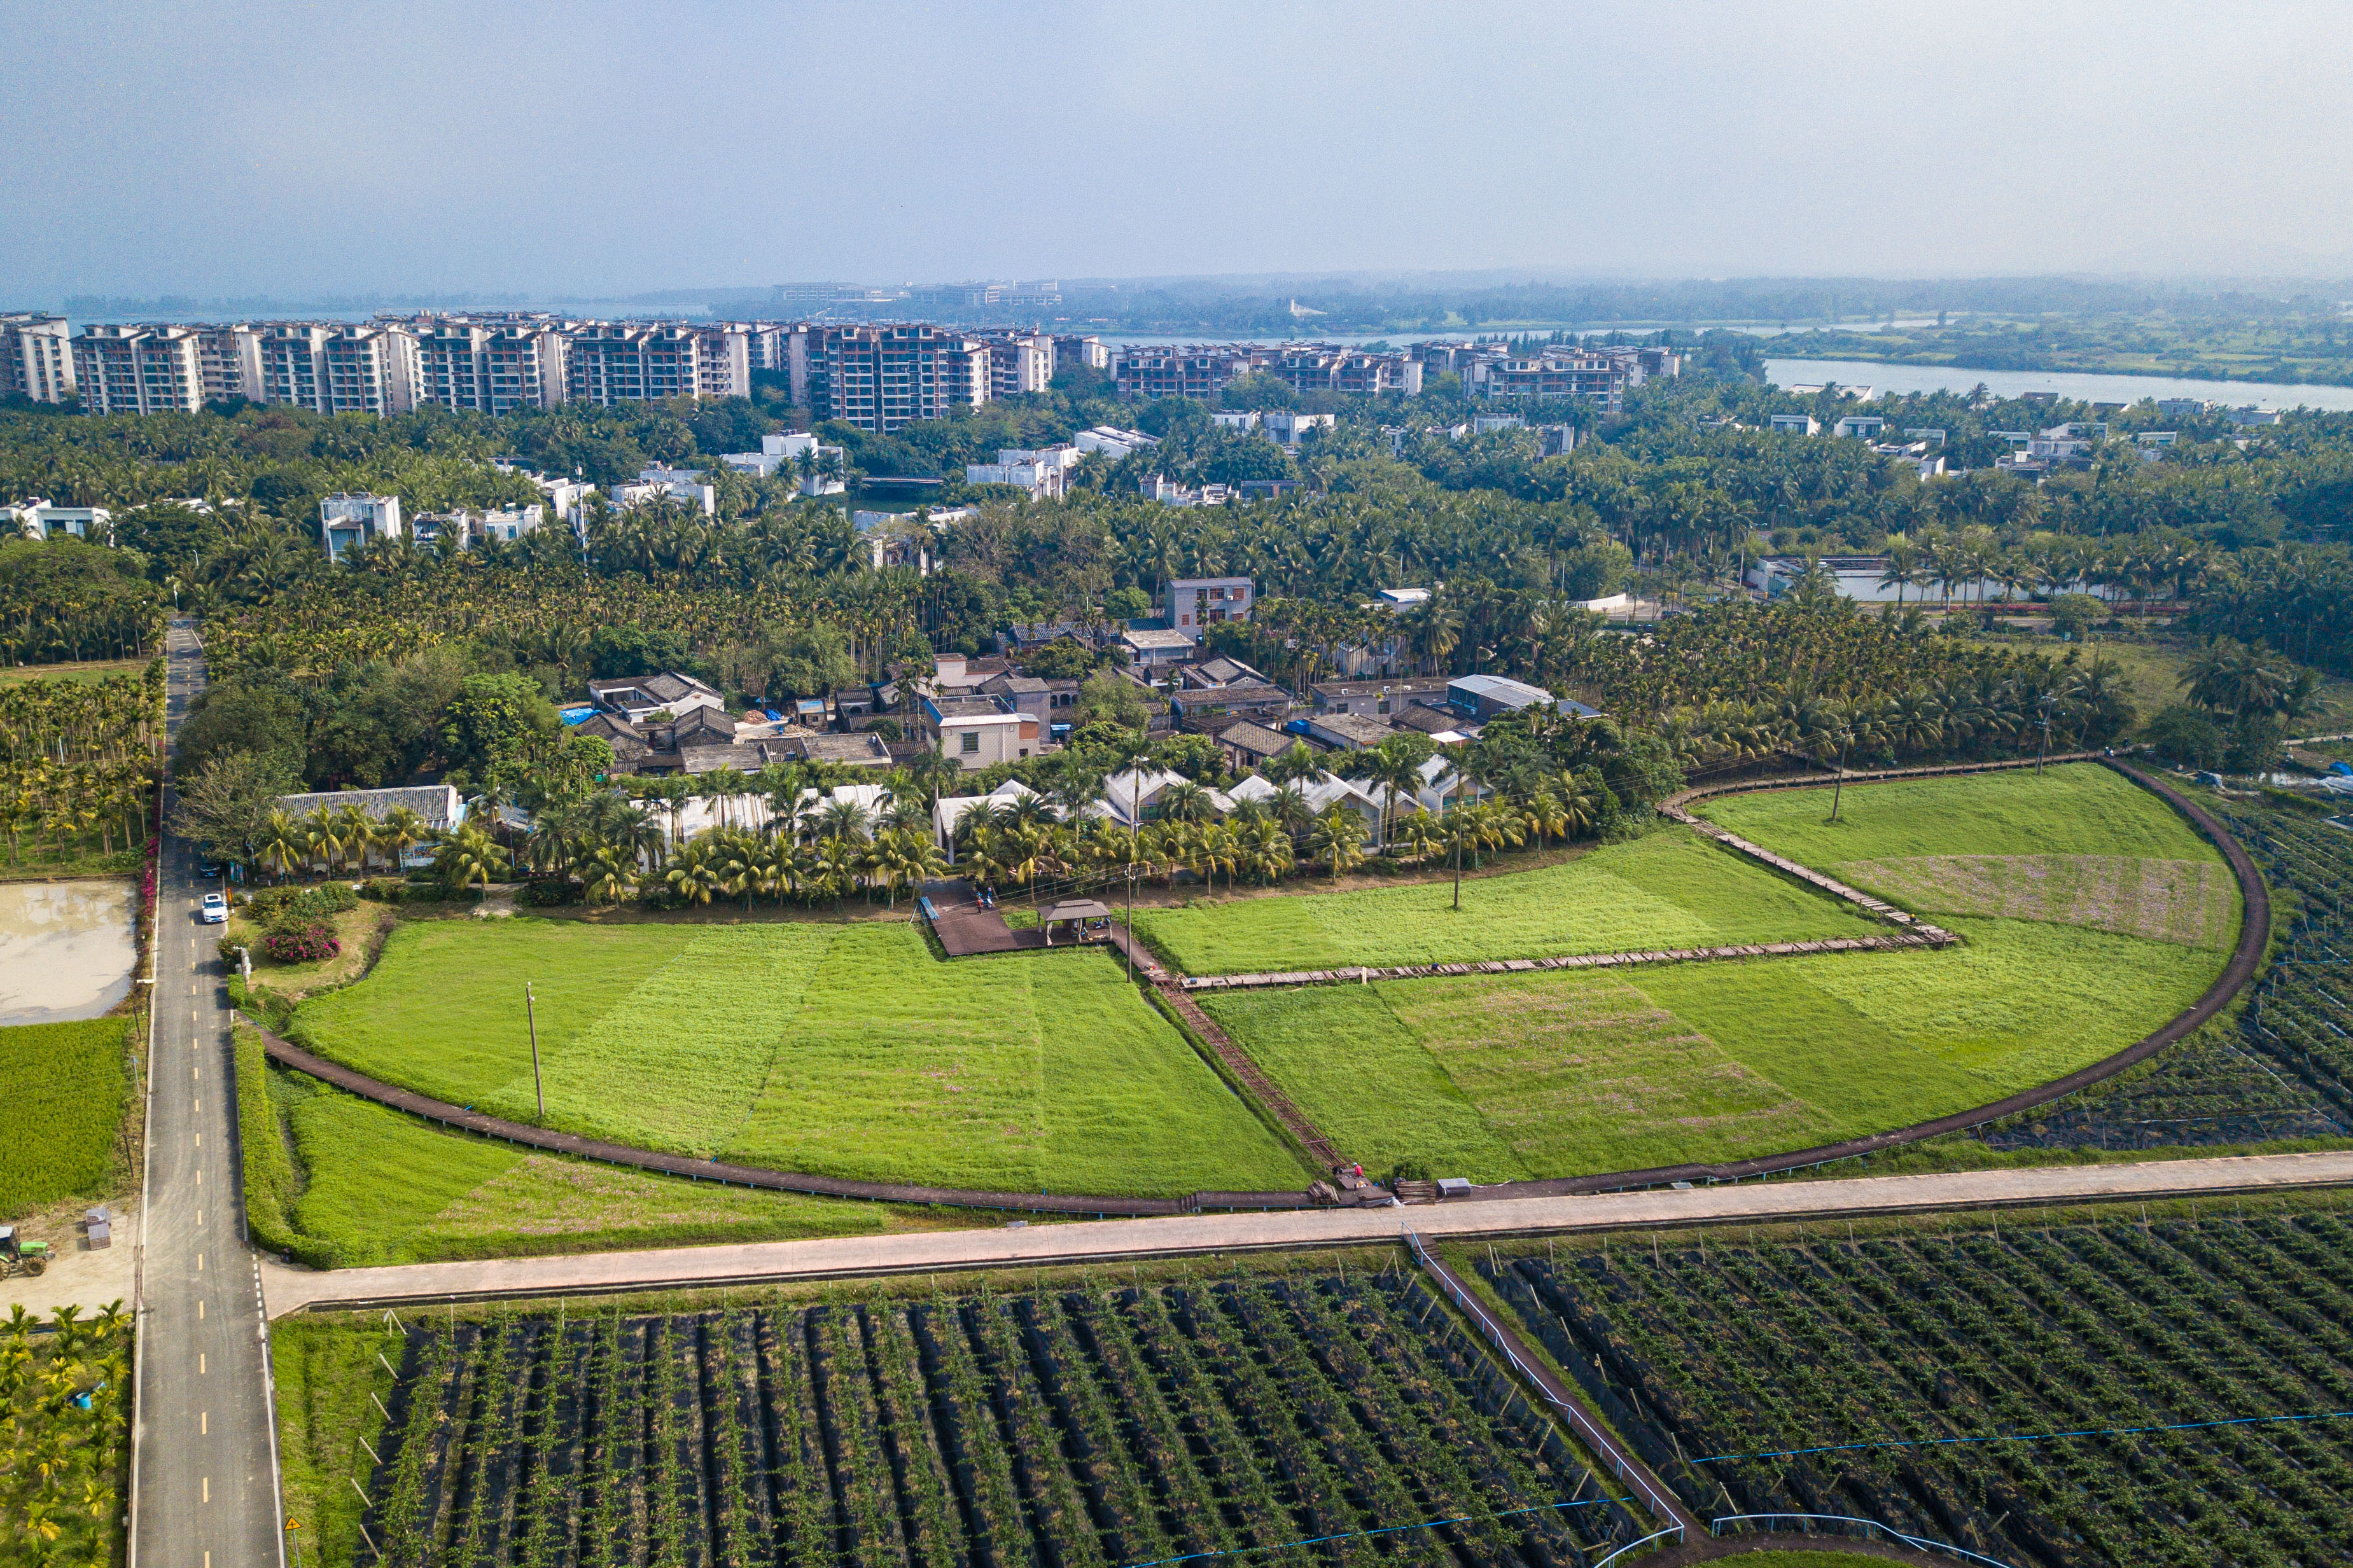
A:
x: 531, y: 1015
x: 1130, y: 943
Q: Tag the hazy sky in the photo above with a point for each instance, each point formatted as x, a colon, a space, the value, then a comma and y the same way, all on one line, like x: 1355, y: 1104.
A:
x: 218, y: 149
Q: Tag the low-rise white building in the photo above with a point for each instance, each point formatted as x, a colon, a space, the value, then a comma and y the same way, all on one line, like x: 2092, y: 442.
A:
x: 1860, y: 427
x: 37, y: 519
x: 1043, y: 471
x: 440, y: 808
x: 978, y: 731
x: 682, y: 485
x: 1794, y: 425
x: 1113, y: 442
x: 348, y: 521
x: 782, y: 452
x: 1285, y: 427
x: 465, y: 528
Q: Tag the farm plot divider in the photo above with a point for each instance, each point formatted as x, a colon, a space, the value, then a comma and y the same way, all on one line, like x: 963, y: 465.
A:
x: 1084, y: 1428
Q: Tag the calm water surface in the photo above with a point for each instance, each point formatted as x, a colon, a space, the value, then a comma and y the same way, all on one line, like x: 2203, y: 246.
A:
x: 66, y: 949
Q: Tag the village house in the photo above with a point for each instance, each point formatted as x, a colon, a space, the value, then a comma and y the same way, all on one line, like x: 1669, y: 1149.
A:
x: 440, y: 807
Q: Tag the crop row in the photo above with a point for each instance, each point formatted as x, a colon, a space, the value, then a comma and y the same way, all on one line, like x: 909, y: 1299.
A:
x: 2285, y: 1069
x: 1036, y: 1431
x: 1929, y: 1374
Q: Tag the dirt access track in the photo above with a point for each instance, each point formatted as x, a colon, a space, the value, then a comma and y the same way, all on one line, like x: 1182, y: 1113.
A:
x: 1111, y: 1242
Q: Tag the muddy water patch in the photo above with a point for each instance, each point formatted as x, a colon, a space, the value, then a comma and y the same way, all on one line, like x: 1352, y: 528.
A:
x: 66, y: 949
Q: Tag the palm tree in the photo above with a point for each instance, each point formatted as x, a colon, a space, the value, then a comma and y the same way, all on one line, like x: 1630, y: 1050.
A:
x: 468, y: 857
x: 1393, y: 768
x: 281, y: 845
x: 909, y: 858
x: 1186, y: 802
x: 694, y: 873
x: 402, y: 830
x: 931, y: 772
x: 1337, y: 838
x: 610, y: 874
x: 356, y: 830
x: 321, y: 841
x: 1293, y: 764
x: 1416, y: 833
x: 1266, y: 848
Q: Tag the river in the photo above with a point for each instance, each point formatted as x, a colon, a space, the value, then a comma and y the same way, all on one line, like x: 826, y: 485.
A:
x: 2080, y: 385
x: 66, y: 949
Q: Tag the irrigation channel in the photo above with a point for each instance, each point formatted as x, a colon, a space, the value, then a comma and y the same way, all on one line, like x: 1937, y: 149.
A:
x: 1173, y: 989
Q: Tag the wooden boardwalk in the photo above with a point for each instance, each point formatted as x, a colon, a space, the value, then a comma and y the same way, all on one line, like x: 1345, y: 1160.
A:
x: 1922, y: 935
x: 967, y: 931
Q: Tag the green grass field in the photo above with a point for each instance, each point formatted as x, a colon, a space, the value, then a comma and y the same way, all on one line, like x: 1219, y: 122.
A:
x: 2079, y: 809
x: 2090, y: 914
x: 64, y: 1086
x: 840, y: 1050
x: 1670, y: 888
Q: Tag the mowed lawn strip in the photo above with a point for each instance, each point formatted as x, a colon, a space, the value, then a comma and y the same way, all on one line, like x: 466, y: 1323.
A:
x: 2079, y: 809
x: 700, y: 1032
x: 843, y: 1050
x: 2021, y: 1002
x: 2193, y: 902
x: 459, y: 1197
x: 1587, y: 1070
x: 442, y: 1012
x: 1124, y: 1112
x: 1365, y: 1080
x: 1670, y: 888
x: 1560, y: 1074
x: 1041, y: 1072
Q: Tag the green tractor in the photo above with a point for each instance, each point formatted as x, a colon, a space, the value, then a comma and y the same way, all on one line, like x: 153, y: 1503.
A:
x: 18, y: 1257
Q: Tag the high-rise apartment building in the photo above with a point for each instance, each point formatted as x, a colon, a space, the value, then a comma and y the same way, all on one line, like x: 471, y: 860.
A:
x: 352, y: 369
x: 1321, y: 367
x: 724, y: 367
x: 1593, y: 377
x: 622, y: 361
x: 489, y: 366
x: 1019, y: 362
x: 36, y: 357
x: 293, y: 363
x: 229, y: 357
x: 881, y: 378
x: 371, y: 369
x: 138, y: 370
x: 1200, y: 370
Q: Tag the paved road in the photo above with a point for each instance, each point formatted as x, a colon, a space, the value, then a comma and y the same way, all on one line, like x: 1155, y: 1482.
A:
x: 205, y: 1471
x: 292, y: 1290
